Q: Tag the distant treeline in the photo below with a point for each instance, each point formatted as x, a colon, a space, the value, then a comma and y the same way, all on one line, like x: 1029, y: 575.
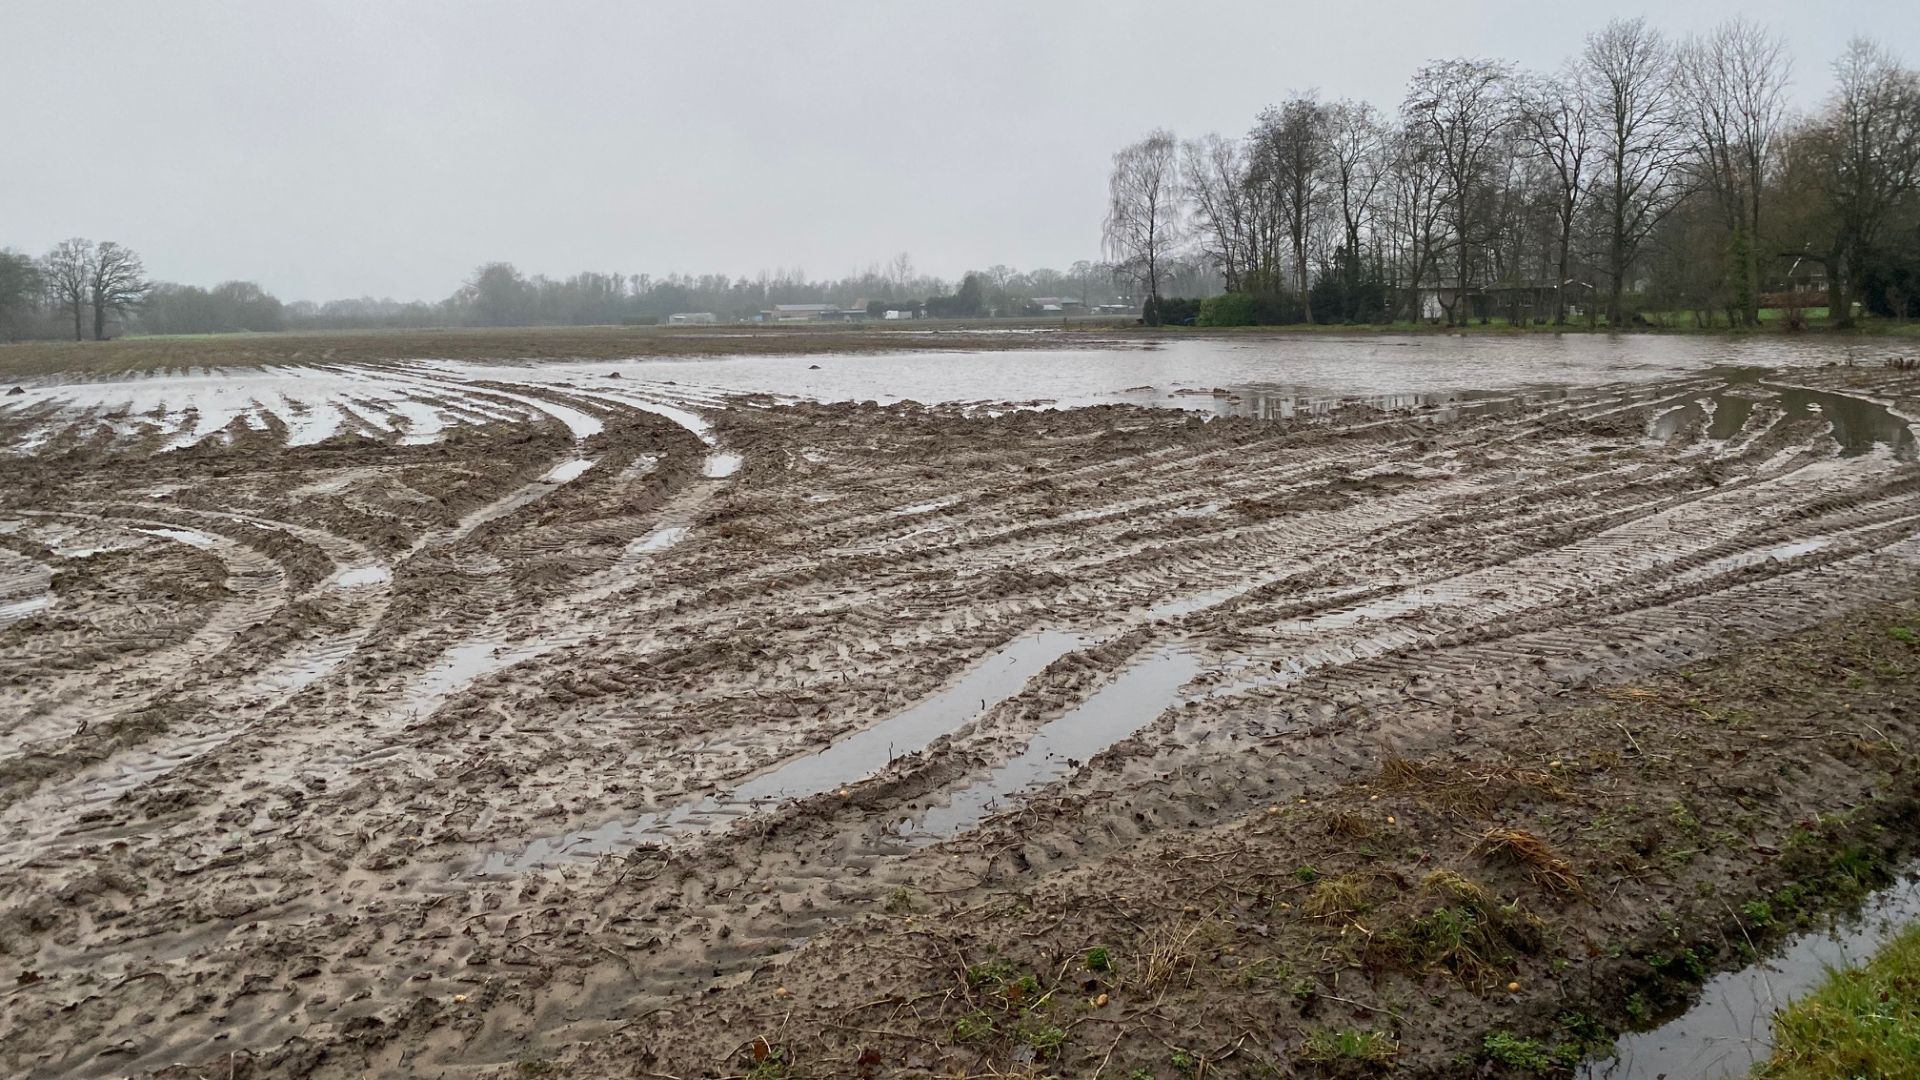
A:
x: 1644, y: 175
x: 55, y: 296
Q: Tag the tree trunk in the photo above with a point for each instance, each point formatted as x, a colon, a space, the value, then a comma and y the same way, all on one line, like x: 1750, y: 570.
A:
x: 1560, y: 288
x: 1617, y: 246
x: 1460, y: 282
x: 1753, y: 246
x: 78, y: 334
x: 1413, y: 286
x: 1153, y: 290
x: 1744, y: 307
x: 1839, y: 305
x: 1300, y: 271
x: 99, y: 322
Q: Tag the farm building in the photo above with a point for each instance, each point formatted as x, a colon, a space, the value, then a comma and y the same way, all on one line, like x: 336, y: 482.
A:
x: 799, y: 312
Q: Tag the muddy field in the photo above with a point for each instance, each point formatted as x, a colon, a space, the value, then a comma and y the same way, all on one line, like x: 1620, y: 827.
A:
x: 609, y: 726
x: 63, y: 358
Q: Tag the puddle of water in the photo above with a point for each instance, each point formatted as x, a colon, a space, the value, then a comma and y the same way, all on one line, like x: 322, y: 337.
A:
x: 462, y: 665
x: 999, y: 677
x: 1202, y: 510
x: 1728, y: 563
x: 43, y: 820
x: 1730, y: 1029
x: 20, y: 609
x: 567, y: 471
x: 355, y: 577
x: 853, y: 758
x: 184, y: 536
x: 1858, y: 424
x: 722, y: 465
x: 659, y: 539
x: 1115, y: 711
x: 563, y: 473
x: 25, y: 586
x: 1187, y: 605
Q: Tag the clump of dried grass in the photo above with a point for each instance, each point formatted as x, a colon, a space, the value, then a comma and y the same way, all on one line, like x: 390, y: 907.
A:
x: 1171, y: 958
x: 1542, y: 865
x: 1338, y: 898
x: 1471, y: 791
x: 1353, y: 826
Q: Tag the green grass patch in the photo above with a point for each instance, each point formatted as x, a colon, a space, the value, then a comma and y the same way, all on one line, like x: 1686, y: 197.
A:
x: 1863, y: 1021
x: 1526, y: 1055
x: 1367, y: 1050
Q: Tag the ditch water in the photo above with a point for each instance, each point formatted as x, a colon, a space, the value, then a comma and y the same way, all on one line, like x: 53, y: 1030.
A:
x: 1730, y: 1029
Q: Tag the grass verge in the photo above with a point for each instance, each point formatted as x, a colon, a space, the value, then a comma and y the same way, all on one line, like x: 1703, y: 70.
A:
x: 1864, y: 1021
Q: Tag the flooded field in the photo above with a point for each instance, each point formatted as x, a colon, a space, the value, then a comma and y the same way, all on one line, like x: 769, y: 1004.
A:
x: 419, y: 399
x: 441, y: 715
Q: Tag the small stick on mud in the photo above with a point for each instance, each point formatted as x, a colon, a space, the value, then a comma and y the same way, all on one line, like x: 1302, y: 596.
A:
x: 1630, y: 739
x: 1111, y: 1047
x: 1363, y: 1005
x: 884, y: 1033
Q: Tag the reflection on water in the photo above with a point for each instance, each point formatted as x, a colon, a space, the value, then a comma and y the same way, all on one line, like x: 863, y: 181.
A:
x: 1267, y: 403
x: 1182, y: 372
x: 1858, y: 425
x: 1730, y: 1029
x: 1130, y: 702
x: 998, y: 677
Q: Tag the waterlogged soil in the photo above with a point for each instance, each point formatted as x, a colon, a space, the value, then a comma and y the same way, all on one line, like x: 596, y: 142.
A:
x: 1500, y: 903
x: 617, y: 726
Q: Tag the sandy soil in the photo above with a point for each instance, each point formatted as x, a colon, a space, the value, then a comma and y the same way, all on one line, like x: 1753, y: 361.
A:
x: 826, y: 739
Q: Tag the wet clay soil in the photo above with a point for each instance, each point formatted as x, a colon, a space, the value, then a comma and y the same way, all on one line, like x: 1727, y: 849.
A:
x: 622, y: 730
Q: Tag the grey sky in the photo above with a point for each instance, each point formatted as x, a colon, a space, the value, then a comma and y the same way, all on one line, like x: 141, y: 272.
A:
x: 386, y: 148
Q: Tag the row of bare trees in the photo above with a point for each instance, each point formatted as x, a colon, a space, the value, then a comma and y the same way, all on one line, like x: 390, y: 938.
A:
x: 79, y: 281
x: 78, y: 278
x: 1642, y: 171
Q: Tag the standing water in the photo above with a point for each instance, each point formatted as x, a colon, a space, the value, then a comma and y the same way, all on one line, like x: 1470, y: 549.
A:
x: 1730, y: 1029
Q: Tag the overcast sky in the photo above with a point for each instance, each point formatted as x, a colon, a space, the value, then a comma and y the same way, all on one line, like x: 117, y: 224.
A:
x: 385, y: 148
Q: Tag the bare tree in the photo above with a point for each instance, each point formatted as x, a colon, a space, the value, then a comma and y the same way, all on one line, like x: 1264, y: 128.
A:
x: 1733, y: 84
x: 68, y: 270
x: 1143, y: 212
x: 117, y: 283
x: 1417, y: 189
x: 1462, y: 110
x: 1556, y: 125
x: 1867, y: 145
x: 1214, y: 176
x: 1642, y: 142
x: 1289, y: 149
x: 1355, y: 167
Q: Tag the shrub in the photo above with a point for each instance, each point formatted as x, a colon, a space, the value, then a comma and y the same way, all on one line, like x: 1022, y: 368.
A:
x: 1227, y: 309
